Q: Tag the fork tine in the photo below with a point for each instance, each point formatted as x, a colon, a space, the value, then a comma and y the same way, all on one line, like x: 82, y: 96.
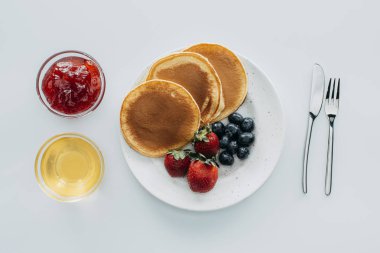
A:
x: 332, y: 95
x: 328, y: 90
x: 338, y: 90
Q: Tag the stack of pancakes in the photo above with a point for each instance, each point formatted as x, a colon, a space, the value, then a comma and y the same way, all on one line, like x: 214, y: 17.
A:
x: 202, y: 84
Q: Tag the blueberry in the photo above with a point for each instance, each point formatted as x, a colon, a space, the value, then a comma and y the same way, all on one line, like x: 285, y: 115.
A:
x: 243, y: 153
x: 225, y: 158
x: 235, y: 118
x: 224, y: 141
x: 246, y: 139
x: 236, y: 136
x: 218, y: 129
x: 232, y: 130
x: 232, y: 147
x: 228, y: 134
x: 247, y: 125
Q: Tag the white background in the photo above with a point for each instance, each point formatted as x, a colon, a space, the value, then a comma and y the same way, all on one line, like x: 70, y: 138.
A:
x: 283, y: 37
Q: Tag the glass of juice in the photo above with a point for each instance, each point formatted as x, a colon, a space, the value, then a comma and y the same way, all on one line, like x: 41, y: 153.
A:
x: 69, y: 167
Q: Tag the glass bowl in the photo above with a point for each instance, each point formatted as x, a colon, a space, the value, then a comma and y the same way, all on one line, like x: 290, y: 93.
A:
x: 46, y: 66
x: 69, y: 167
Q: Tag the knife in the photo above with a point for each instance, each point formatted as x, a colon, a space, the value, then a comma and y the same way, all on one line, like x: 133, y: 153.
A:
x: 316, y: 99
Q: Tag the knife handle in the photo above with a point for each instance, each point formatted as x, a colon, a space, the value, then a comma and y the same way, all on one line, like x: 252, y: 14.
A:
x: 306, y: 153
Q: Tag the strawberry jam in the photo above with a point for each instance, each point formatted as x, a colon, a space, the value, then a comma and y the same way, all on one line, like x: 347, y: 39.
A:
x: 72, y: 85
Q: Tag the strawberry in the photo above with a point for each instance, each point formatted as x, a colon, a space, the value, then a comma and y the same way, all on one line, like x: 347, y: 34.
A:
x: 177, y: 162
x: 206, y: 142
x: 202, y: 175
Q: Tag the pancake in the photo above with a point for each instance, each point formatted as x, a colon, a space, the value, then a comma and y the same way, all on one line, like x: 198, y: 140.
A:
x: 158, y: 116
x: 231, y: 73
x: 195, y: 73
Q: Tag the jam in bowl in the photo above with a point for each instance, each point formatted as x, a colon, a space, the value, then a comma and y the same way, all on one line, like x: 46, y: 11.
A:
x: 71, y: 84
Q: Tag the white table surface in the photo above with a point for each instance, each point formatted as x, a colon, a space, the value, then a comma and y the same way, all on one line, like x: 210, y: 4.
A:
x: 283, y: 37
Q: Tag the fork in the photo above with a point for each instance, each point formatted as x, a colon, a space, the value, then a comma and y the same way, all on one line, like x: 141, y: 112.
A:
x: 331, y: 108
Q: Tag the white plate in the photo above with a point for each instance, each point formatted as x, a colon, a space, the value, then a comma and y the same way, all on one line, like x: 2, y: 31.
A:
x: 237, y: 182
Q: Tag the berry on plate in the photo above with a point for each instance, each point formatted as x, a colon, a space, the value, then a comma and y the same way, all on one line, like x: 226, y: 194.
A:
x: 242, y: 153
x: 232, y: 130
x: 177, y: 162
x: 224, y: 141
x: 247, y: 125
x: 206, y: 142
x: 202, y: 175
x: 235, y: 118
x: 246, y: 139
x: 226, y: 158
x: 232, y: 147
x: 218, y: 128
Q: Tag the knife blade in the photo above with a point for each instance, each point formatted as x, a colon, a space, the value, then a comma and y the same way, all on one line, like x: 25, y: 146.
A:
x: 316, y: 100
x: 317, y: 90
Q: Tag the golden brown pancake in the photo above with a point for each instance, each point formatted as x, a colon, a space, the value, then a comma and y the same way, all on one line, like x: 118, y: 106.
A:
x: 231, y: 73
x: 158, y: 116
x: 195, y: 73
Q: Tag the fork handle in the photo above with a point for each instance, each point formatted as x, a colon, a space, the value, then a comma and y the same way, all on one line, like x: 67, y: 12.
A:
x: 306, y: 153
x: 330, y: 155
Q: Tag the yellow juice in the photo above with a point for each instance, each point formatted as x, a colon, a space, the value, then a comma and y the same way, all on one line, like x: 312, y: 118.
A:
x: 71, y: 166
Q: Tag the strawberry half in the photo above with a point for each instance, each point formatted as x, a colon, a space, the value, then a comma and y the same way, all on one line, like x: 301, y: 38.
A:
x: 206, y: 142
x: 202, y: 175
x: 177, y: 162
